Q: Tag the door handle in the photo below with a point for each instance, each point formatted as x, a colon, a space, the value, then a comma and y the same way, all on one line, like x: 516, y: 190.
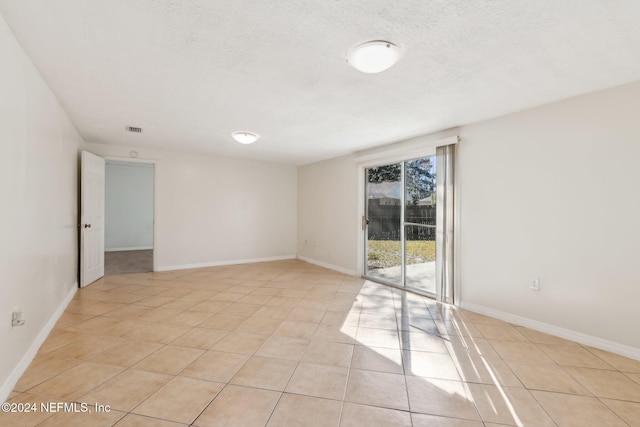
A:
x: 87, y: 226
x: 365, y: 221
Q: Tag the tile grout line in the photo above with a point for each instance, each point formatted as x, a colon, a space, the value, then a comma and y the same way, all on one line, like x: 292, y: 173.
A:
x: 353, y: 352
x: 159, y: 318
x: 404, y: 372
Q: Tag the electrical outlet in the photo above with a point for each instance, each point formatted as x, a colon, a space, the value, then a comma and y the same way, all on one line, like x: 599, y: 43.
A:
x: 535, y: 284
x: 17, y: 317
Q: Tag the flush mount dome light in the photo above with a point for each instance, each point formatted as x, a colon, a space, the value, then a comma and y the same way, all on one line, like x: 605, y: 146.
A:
x: 245, y: 137
x: 374, y: 56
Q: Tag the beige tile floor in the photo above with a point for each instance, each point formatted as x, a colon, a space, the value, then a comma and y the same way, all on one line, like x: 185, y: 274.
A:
x: 290, y: 344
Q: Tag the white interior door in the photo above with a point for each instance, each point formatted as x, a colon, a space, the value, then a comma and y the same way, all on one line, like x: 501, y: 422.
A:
x: 91, y: 218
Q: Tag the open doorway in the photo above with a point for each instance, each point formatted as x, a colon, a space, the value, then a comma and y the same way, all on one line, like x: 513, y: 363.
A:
x: 129, y: 217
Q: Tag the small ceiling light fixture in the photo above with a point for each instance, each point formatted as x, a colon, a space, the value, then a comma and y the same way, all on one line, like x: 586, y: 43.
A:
x: 374, y: 56
x: 245, y: 137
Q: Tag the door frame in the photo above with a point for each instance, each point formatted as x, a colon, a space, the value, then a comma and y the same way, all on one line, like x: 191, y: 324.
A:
x: 413, y: 149
x: 155, y: 196
x: 403, y: 225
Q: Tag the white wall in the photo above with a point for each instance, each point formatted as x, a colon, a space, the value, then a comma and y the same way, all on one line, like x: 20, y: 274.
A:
x: 38, y: 219
x: 212, y: 210
x: 128, y: 206
x: 552, y: 193
x: 328, y: 212
x: 548, y: 193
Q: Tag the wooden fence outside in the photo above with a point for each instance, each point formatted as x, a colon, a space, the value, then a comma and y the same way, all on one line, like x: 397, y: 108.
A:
x: 384, y: 222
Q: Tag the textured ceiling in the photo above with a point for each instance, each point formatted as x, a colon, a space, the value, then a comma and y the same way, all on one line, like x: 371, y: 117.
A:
x: 190, y: 72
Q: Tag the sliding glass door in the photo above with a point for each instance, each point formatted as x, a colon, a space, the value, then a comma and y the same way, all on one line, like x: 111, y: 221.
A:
x: 383, y: 223
x: 420, y: 224
x: 400, y: 224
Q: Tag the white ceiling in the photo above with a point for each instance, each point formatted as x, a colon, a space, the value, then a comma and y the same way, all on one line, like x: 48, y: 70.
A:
x: 190, y: 72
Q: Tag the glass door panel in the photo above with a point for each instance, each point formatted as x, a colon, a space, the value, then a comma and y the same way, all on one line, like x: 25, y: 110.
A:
x: 383, y: 229
x: 401, y: 224
x: 420, y: 224
x: 420, y: 247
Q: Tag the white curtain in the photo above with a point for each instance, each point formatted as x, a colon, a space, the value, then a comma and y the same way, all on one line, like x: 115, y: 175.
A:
x: 444, y: 226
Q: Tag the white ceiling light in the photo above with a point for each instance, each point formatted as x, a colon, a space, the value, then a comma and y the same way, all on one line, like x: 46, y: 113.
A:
x: 374, y: 56
x: 245, y: 137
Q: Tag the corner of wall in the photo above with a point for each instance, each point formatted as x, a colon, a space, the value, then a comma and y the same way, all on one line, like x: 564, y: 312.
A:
x: 326, y: 265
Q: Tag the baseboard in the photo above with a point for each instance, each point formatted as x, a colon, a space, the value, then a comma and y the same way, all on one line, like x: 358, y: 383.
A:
x: 329, y: 266
x: 220, y: 263
x: 600, y: 343
x: 24, y: 363
x: 135, y: 248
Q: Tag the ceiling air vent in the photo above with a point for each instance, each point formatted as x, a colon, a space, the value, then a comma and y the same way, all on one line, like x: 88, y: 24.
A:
x: 134, y: 129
